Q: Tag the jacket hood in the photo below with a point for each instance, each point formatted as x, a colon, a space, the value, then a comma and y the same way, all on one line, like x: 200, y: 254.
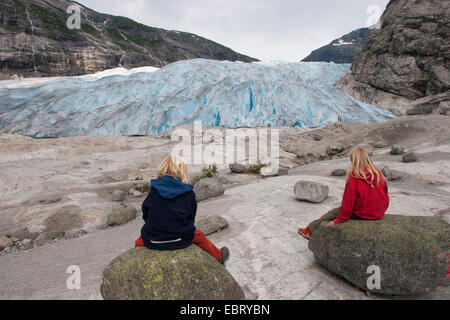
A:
x: 170, y: 187
x: 370, y: 179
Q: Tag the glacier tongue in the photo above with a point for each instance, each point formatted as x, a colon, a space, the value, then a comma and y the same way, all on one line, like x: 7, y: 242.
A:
x: 219, y: 93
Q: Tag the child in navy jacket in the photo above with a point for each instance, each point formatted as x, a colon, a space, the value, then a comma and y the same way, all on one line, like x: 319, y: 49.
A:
x: 169, y: 213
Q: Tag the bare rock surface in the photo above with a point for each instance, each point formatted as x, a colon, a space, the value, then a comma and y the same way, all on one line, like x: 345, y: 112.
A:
x: 268, y: 258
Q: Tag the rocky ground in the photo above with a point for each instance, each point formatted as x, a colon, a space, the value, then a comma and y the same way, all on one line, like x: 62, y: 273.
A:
x: 66, y: 186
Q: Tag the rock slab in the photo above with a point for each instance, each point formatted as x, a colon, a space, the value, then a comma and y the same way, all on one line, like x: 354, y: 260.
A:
x: 409, y: 250
x: 188, y: 274
x: 212, y: 224
x: 311, y: 191
x: 119, y: 216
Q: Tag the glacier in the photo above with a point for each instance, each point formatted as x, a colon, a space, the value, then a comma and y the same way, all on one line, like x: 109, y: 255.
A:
x: 217, y: 93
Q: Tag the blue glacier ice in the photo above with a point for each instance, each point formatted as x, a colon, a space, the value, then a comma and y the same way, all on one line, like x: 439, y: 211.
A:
x: 219, y: 93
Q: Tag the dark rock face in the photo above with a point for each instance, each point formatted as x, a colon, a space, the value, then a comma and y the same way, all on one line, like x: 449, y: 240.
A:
x: 188, y: 274
x: 341, y: 50
x: 35, y: 41
x: 410, y: 252
x: 407, y: 58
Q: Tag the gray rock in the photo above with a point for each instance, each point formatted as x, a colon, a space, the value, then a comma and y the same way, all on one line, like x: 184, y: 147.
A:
x: 118, y: 196
x: 380, y: 145
x: 208, y: 188
x: 211, y: 224
x: 5, y: 242
x: 395, y: 112
x: 410, y: 157
x: 26, y: 244
x: 64, y: 219
x: 188, y: 274
x: 311, y: 191
x: 409, y: 250
x: 119, y: 216
x: 137, y: 194
x: 47, y: 237
x: 339, y: 173
x: 397, y: 150
x: 332, y: 150
x: 392, y: 175
x: 237, y: 168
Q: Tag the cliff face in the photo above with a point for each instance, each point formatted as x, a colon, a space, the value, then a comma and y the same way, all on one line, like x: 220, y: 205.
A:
x: 341, y: 50
x: 35, y: 41
x: 407, y: 59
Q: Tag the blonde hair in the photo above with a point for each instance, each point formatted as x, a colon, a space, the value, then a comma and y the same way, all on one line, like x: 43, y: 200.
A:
x: 361, y: 164
x: 175, y: 167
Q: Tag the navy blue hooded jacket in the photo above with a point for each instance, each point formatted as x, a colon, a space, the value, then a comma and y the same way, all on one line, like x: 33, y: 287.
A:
x: 169, y: 214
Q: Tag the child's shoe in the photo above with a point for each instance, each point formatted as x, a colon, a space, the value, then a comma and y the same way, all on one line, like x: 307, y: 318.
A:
x: 305, y: 233
x: 225, y: 255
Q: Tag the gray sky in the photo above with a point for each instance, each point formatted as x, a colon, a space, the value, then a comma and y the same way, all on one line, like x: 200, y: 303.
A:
x: 264, y: 29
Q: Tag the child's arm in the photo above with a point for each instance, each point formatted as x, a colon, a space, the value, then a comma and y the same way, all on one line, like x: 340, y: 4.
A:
x: 348, y: 201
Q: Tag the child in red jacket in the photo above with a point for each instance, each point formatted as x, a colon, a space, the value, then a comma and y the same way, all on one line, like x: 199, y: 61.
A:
x: 365, y: 195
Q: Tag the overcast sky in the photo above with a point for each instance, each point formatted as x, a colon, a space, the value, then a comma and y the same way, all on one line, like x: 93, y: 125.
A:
x: 264, y: 29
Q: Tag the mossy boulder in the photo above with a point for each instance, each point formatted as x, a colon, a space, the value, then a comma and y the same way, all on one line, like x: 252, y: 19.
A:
x: 409, y: 251
x: 188, y: 274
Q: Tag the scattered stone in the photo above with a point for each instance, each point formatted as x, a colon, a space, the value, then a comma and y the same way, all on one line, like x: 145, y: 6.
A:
x: 208, y: 188
x: 282, y: 171
x: 311, y: 191
x: 211, y: 224
x: 46, y: 237
x: 137, y: 194
x: 391, y: 175
x: 397, y: 150
x: 409, y: 250
x: 5, y: 242
x: 410, y: 157
x: 237, y: 168
x: 26, y: 244
x: 131, y: 191
x: 331, y: 151
x: 118, y: 196
x: 339, y: 173
x: 188, y: 274
x: 119, y: 216
x: 379, y: 145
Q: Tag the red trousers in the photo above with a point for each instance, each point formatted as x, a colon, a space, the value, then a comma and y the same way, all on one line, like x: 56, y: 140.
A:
x: 199, y: 240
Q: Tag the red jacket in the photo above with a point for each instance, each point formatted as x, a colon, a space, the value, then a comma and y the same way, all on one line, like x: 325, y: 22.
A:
x: 364, y: 200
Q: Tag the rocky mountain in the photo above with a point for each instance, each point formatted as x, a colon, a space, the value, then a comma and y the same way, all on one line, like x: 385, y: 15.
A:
x: 341, y: 50
x: 405, y: 64
x: 35, y: 41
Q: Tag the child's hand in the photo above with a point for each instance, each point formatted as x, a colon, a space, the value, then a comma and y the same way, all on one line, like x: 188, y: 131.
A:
x: 330, y: 224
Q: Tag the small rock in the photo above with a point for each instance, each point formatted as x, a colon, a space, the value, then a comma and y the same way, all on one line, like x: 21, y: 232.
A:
x: 339, y: 173
x: 379, y: 145
x: 410, y: 157
x: 46, y: 237
x: 121, y: 216
x: 331, y: 150
x: 397, y: 150
x: 208, y: 188
x: 118, y: 196
x: 131, y: 191
x: 210, y: 225
x: 311, y: 191
x: 26, y: 244
x: 5, y: 242
x: 137, y: 194
x: 237, y: 168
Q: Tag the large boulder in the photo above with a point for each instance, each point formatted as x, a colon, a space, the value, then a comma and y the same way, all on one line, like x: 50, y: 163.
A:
x: 208, y: 188
x: 311, y: 191
x: 188, y: 274
x: 409, y: 251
